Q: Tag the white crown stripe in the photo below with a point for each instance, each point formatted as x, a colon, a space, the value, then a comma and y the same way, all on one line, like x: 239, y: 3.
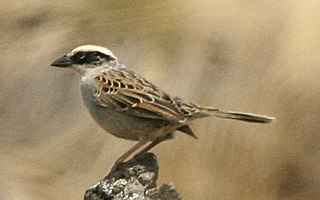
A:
x: 91, y: 48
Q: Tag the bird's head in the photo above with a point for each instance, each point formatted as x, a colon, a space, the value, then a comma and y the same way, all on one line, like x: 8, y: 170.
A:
x: 85, y: 57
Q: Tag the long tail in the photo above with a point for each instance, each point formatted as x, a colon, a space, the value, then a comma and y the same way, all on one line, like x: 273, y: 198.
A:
x: 248, y: 117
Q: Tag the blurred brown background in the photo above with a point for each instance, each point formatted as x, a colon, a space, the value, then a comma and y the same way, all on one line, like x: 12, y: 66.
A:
x: 253, y: 56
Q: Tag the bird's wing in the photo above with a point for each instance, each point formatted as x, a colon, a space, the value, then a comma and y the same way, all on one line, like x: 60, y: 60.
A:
x: 125, y: 91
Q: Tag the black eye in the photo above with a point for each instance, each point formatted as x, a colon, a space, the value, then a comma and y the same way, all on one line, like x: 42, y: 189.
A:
x: 80, y: 55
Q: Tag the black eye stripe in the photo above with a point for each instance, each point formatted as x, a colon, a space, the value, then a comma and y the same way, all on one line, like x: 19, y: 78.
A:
x: 90, y: 57
x: 93, y: 55
x: 81, y: 55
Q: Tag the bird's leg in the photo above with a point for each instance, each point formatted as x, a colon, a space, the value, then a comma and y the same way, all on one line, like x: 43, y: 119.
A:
x: 124, y: 156
x: 154, y: 143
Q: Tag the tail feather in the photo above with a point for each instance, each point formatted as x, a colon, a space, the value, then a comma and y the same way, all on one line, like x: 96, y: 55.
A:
x: 186, y: 129
x: 247, y: 117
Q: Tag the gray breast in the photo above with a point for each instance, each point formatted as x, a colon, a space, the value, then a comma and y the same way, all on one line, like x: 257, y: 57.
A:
x: 119, y: 123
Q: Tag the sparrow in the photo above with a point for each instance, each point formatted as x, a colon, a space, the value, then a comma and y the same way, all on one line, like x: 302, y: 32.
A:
x: 128, y: 106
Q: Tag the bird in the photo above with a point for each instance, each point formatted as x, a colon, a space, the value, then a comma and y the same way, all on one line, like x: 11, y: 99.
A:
x: 128, y: 106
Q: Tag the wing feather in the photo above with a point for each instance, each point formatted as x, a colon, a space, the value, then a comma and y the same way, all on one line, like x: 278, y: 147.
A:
x: 127, y: 92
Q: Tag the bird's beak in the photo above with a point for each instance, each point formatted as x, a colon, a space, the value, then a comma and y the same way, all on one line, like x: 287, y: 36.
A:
x: 64, y: 61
